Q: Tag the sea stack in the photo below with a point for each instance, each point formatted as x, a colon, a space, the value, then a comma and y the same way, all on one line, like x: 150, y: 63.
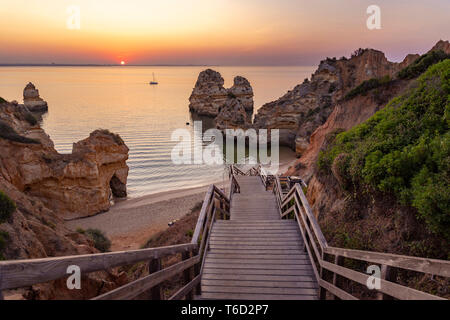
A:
x: 31, y: 99
x: 209, y: 94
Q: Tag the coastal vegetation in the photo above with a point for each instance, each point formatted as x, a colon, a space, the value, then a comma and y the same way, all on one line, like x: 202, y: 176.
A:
x: 101, y: 241
x: 368, y: 85
x: 404, y: 149
x: 2, y: 100
x: 422, y: 64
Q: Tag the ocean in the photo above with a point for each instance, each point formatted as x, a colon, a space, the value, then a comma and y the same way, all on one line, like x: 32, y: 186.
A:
x: 82, y: 99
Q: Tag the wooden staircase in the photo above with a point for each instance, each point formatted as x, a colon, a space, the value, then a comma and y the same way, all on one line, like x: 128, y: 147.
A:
x: 248, y: 243
x: 255, y: 254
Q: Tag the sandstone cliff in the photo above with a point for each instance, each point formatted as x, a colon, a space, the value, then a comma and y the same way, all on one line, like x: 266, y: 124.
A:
x: 47, y: 187
x: 73, y: 185
x: 209, y: 94
x: 300, y: 111
x: 363, y: 217
x: 232, y: 115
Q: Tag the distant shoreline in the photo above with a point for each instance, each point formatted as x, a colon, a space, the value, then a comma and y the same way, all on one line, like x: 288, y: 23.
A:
x: 98, y: 65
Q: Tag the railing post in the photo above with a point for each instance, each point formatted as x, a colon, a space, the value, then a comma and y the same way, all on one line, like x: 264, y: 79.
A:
x: 389, y: 274
x: 188, y: 274
x: 337, y: 279
x: 155, y: 266
x: 322, y: 291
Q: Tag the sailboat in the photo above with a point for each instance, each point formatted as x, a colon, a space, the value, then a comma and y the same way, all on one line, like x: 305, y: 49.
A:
x: 154, y: 82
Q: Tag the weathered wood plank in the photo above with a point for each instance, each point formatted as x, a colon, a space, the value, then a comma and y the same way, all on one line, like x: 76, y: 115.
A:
x: 133, y: 289
x: 256, y: 256
x: 258, y: 261
x: 259, y: 277
x: 258, y: 266
x: 183, y: 292
x: 336, y: 291
x: 390, y: 288
x: 202, y: 214
x: 21, y: 273
x: 259, y: 290
x: 431, y: 266
x: 260, y: 284
x: 256, y: 251
x: 273, y: 272
x: 247, y: 296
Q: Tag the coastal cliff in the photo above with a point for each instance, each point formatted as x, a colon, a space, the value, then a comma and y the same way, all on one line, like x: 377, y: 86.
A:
x: 380, y: 200
x: 209, y: 94
x: 302, y: 110
x: 39, y: 188
x: 74, y: 185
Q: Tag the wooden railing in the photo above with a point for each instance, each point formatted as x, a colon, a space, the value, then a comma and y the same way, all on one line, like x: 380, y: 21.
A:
x: 216, y: 205
x: 327, y: 259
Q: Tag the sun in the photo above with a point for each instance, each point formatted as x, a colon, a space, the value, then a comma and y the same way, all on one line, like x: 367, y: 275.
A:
x: 122, y: 63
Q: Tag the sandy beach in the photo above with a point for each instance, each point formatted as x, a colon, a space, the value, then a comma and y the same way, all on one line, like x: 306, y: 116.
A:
x: 131, y: 222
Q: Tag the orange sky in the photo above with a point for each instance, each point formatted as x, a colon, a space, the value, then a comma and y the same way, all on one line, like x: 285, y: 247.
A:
x: 215, y: 31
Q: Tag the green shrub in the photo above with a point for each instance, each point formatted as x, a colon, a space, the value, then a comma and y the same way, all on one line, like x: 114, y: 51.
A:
x: 422, y: 64
x: 368, y: 85
x: 8, y: 133
x: 4, y: 237
x: 81, y: 230
x: 7, y: 207
x: 3, y: 100
x: 189, y: 233
x: 404, y: 149
x: 101, y: 242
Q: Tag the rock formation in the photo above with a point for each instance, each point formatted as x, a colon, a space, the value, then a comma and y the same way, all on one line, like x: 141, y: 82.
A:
x: 232, y: 115
x: 300, y: 111
x: 48, y: 187
x: 209, y: 93
x: 31, y: 99
x: 73, y: 185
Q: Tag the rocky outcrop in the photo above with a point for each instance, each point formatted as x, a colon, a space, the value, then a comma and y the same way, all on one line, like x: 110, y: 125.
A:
x: 232, y: 115
x: 47, y: 187
x: 32, y: 100
x: 73, y: 185
x: 209, y: 94
x: 243, y: 91
x: 302, y: 110
x: 442, y: 45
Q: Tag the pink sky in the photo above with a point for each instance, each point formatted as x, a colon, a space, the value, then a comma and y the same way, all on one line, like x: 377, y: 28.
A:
x: 215, y: 32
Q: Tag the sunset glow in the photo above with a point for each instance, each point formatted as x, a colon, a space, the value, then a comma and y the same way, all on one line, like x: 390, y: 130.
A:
x: 214, y: 32
x: 122, y: 63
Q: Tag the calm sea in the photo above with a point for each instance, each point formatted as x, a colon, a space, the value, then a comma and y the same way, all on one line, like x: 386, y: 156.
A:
x: 82, y: 99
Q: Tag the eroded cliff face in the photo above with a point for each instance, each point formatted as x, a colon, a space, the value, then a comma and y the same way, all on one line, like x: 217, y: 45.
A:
x: 73, y: 185
x: 355, y: 219
x: 209, y: 94
x: 48, y: 187
x: 232, y: 115
x: 302, y: 110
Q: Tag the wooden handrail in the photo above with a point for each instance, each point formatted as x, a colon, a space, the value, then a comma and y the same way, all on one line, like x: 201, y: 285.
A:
x: 22, y: 273
x: 295, y: 201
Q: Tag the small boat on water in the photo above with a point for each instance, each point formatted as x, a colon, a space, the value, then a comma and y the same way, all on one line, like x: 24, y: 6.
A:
x: 154, y: 82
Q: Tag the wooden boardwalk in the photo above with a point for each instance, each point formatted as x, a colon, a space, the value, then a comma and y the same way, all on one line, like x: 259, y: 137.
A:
x: 255, y: 254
